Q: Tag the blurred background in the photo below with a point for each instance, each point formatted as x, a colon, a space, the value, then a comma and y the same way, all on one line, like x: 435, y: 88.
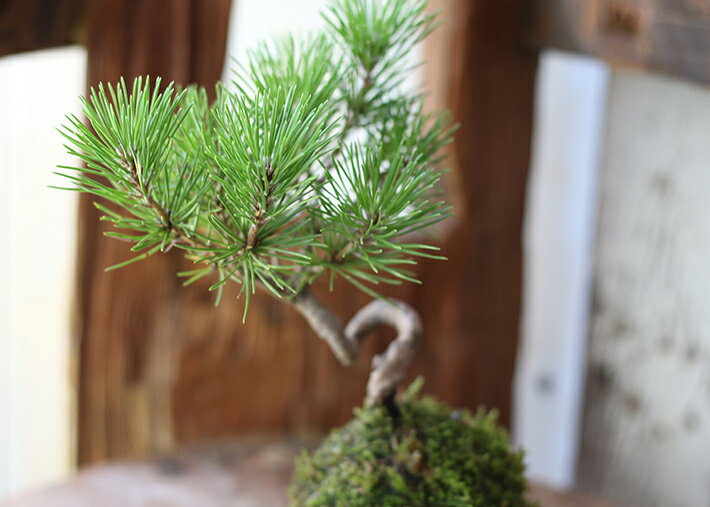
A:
x: 575, y: 299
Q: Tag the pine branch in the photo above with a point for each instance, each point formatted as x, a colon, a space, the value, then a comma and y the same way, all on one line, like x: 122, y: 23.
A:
x: 388, y: 369
x: 316, y: 163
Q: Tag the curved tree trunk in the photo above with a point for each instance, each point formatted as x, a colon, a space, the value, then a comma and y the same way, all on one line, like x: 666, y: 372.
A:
x: 389, y: 368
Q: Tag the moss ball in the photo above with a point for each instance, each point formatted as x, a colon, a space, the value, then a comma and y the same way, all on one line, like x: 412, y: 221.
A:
x: 430, y: 455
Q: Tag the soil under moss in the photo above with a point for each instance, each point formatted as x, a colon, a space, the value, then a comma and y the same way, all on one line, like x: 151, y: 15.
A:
x: 430, y: 455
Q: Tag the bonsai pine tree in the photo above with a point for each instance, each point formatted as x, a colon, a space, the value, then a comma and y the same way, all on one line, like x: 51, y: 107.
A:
x: 315, y: 163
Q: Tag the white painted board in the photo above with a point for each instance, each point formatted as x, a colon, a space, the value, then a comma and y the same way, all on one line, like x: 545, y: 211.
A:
x: 560, y: 218
x: 37, y: 258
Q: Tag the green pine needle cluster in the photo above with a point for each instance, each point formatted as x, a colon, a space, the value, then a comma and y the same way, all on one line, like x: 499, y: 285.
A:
x: 314, y: 163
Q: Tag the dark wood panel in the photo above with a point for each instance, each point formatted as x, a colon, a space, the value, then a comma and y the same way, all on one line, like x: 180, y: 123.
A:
x: 131, y: 329
x: 492, y: 98
x: 38, y: 24
x: 670, y: 36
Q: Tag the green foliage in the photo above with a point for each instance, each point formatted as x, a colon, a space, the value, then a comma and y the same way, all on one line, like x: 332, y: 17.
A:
x: 310, y: 67
x: 314, y: 162
x: 434, y: 456
x: 376, y: 38
x: 130, y: 162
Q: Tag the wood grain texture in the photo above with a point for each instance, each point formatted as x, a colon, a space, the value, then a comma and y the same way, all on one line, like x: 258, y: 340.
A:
x: 492, y: 99
x: 130, y: 336
x: 670, y: 36
x: 646, y: 431
x: 27, y: 25
x: 161, y: 364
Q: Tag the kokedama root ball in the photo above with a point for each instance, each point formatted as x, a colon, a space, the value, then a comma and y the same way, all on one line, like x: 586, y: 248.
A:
x: 427, y: 455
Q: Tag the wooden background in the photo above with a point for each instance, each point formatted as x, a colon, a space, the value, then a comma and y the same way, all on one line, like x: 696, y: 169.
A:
x: 647, y: 418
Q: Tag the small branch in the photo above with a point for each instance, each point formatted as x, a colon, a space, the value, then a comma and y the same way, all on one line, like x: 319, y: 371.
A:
x: 352, y: 120
x: 162, y: 214
x: 326, y: 325
x: 362, y: 237
x: 260, y: 213
x: 389, y: 368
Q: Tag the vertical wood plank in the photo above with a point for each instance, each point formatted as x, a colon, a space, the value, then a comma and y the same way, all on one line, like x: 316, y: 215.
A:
x: 560, y: 228
x: 492, y: 99
x: 37, y: 262
x: 647, y: 424
x: 129, y: 339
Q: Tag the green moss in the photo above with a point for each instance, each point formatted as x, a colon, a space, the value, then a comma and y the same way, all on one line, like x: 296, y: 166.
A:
x: 434, y: 456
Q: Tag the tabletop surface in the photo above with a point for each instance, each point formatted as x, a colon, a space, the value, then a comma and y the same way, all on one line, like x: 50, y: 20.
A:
x: 252, y: 473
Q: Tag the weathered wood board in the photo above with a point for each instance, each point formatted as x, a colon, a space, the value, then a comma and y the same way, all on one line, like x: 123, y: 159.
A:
x: 560, y: 220
x: 646, y: 436
x: 669, y: 36
x: 27, y: 25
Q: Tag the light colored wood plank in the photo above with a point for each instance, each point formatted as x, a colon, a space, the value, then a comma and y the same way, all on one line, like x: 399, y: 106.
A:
x: 559, y: 245
x: 37, y: 263
x: 647, y: 426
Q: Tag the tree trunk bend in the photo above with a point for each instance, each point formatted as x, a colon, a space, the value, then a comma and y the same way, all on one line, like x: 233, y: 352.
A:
x: 388, y: 368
